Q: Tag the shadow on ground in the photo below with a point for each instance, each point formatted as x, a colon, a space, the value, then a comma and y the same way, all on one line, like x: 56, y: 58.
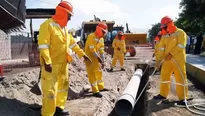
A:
x: 14, y: 107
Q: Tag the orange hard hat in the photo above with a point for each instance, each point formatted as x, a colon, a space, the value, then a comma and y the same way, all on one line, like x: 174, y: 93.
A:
x: 120, y: 33
x: 67, y: 6
x: 101, y: 29
x: 165, y: 20
x: 102, y: 26
x: 156, y: 39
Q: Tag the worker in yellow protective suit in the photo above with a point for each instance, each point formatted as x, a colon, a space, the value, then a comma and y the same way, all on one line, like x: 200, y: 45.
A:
x: 54, y: 42
x: 119, y: 51
x: 94, y: 48
x: 172, y: 46
x: 156, y: 48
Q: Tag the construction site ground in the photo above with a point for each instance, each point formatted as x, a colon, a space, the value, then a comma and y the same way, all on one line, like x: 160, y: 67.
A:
x: 16, y: 98
x: 167, y: 107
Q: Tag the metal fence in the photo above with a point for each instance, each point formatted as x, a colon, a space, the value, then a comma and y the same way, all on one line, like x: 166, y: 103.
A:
x: 14, y: 51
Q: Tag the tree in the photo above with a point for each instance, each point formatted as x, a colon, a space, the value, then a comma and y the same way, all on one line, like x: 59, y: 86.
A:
x: 192, y: 18
x: 154, y: 30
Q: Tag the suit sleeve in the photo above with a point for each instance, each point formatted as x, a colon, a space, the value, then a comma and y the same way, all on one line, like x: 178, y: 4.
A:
x: 44, y: 42
x: 75, y: 47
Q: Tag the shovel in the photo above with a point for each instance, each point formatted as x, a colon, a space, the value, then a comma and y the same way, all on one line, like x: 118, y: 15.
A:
x: 36, y: 89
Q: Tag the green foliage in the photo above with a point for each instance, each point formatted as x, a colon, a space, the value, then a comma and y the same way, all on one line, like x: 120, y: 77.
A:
x: 192, y: 18
x: 154, y: 30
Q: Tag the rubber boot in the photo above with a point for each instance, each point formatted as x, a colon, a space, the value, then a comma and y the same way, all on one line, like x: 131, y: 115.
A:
x: 159, y: 97
x: 122, y: 69
x: 61, y: 112
x: 99, y: 95
x: 111, y: 70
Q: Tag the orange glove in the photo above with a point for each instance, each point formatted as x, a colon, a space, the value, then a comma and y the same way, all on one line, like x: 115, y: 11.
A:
x: 69, y: 58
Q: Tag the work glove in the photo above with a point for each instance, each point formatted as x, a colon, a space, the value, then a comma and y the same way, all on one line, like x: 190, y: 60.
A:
x: 168, y: 56
x: 157, y: 65
x: 87, y: 59
x: 118, y: 48
x: 48, y: 68
x: 103, y: 65
x: 99, y: 60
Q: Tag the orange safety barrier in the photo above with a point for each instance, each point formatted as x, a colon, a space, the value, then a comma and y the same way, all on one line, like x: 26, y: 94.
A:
x: 1, y: 71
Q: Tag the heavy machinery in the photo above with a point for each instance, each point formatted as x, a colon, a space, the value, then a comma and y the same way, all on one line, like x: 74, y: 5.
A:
x: 132, y: 40
x: 89, y: 27
x: 136, y: 44
x: 33, y: 53
x: 13, y: 13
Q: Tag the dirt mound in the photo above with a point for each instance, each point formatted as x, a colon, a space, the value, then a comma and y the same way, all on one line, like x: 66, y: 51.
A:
x: 15, y: 95
x: 17, y: 99
x: 86, y: 105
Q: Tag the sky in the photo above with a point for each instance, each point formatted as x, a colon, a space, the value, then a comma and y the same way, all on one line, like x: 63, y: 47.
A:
x: 139, y: 14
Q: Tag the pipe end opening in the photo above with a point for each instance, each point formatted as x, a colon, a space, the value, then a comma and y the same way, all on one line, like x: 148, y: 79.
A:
x: 123, y: 107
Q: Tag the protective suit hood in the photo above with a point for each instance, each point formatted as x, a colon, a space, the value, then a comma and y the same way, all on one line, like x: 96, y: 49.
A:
x: 61, y: 16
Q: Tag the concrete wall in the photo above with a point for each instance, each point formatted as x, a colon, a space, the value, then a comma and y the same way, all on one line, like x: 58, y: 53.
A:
x: 14, y: 46
x: 19, y: 46
x: 5, y: 46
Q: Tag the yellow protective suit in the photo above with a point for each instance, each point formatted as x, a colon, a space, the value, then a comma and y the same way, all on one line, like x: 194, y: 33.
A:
x: 118, y: 54
x: 54, y: 43
x: 174, y: 44
x: 156, y: 52
x: 94, y: 46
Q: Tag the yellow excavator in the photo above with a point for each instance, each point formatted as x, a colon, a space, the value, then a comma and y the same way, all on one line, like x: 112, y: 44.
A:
x: 132, y: 39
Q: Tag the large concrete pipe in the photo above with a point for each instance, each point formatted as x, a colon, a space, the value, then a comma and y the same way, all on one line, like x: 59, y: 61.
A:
x: 125, y: 104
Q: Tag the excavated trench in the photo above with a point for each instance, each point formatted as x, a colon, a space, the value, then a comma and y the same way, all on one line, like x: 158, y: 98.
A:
x: 147, y: 106
x: 15, y: 90
x: 140, y: 108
